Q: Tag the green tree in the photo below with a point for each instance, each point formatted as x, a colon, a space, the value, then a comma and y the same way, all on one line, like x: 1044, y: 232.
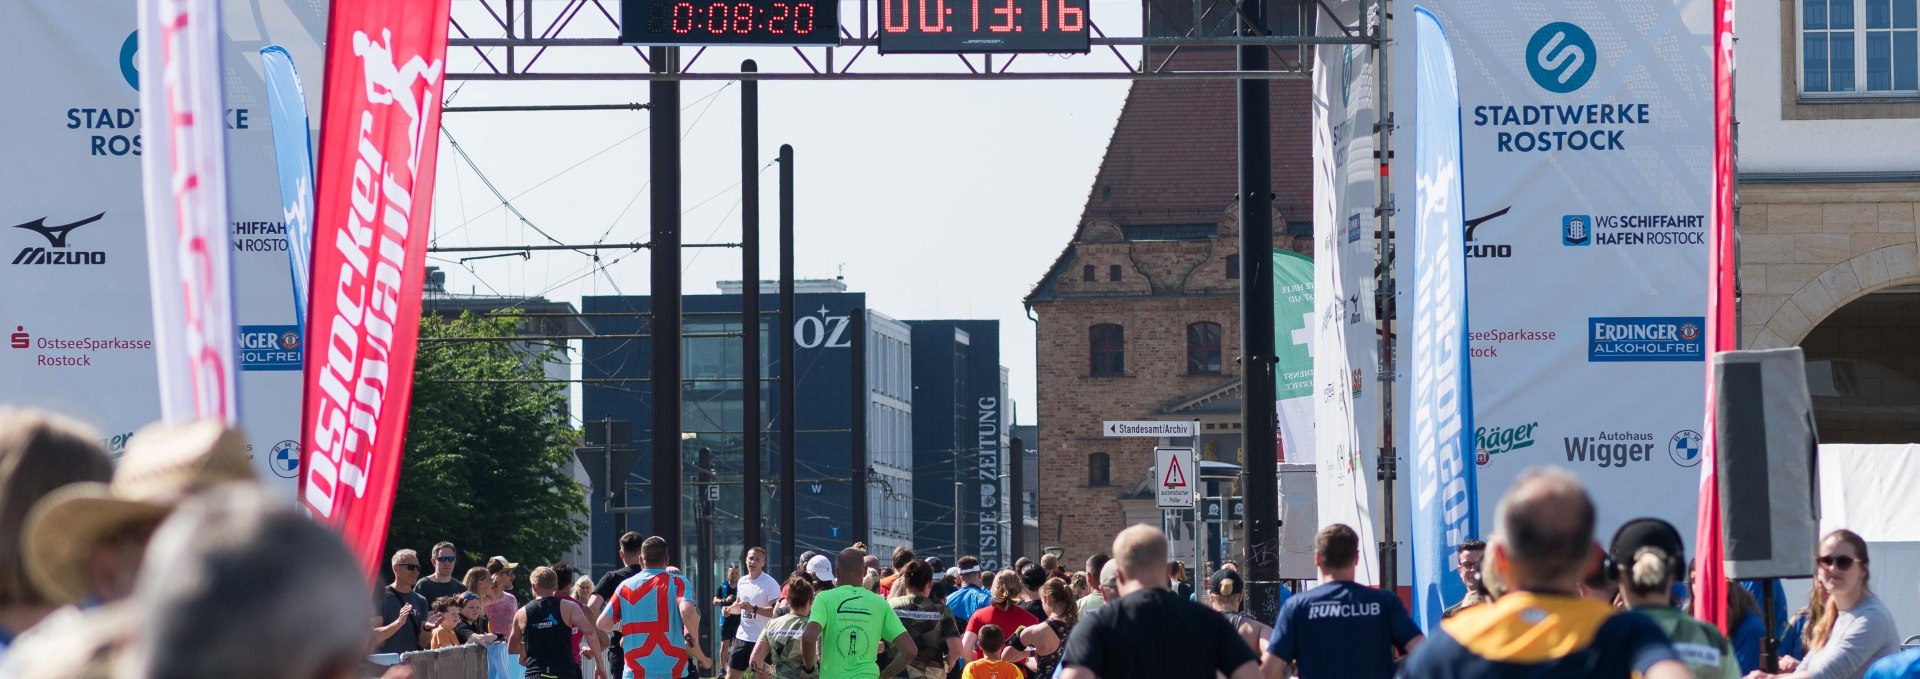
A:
x: 487, y: 453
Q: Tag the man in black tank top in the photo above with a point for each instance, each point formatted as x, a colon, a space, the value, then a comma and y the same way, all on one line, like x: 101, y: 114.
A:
x: 543, y: 632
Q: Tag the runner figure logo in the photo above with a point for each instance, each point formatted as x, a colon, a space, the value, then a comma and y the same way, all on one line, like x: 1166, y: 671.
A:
x: 388, y: 84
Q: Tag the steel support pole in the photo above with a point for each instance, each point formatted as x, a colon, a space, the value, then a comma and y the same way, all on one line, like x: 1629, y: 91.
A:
x: 857, y: 424
x: 1017, y: 490
x: 708, y: 565
x: 1387, y: 306
x: 752, y: 487
x: 666, y: 389
x: 789, y: 377
x: 1256, y: 323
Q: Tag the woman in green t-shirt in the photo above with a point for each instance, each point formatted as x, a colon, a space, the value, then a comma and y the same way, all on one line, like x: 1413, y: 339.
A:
x: 777, y: 654
x: 1648, y: 557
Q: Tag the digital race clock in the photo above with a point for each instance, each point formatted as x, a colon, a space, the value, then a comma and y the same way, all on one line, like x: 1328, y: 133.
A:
x: 983, y: 26
x: 730, y: 22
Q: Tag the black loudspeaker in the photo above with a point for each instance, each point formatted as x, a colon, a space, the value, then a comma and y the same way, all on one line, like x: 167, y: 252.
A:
x: 1765, y: 446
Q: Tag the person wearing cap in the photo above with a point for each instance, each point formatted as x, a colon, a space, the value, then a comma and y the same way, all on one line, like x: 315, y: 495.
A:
x: 1341, y: 628
x: 820, y: 568
x: 1109, y: 582
x: 1228, y: 591
x: 500, y: 612
x: 40, y: 452
x: 84, y: 542
x: 1647, y: 558
x: 971, y: 596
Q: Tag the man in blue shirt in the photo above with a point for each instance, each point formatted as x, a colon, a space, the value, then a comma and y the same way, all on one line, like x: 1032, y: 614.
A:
x: 971, y: 596
x: 1341, y: 628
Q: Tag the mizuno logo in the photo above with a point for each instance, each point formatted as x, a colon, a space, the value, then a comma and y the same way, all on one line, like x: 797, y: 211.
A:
x: 1477, y: 221
x: 57, y: 235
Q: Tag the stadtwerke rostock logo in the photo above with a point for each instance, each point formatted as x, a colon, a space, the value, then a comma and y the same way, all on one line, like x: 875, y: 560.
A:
x: 1560, y: 57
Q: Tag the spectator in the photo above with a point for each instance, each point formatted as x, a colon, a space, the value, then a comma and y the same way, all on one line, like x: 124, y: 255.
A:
x: 1177, y: 577
x: 754, y: 606
x: 1002, y: 610
x: 441, y: 582
x: 1132, y: 635
x: 1794, y: 642
x: 582, y: 590
x: 1046, y: 643
x: 500, y: 612
x: 39, y: 453
x: 971, y: 595
x: 215, y: 601
x: 1341, y: 628
x: 991, y: 641
x: 1470, y: 554
x: 852, y: 619
x: 445, y: 608
x: 1031, y: 578
x: 1539, y: 630
x: 1093, y: 600
x: 656, y: 640
x: 544, y: 633
x: 1749, y: 632
x: 1598, y: 582
x: 1648, y: 557
x: 603, y: 591
x: 936, y: 633
x: 821, y: 570
x: 1860, y: 629
x: 480, y: 584
x: 470, y: 625
x: 1229, y: 592
x: 404, y: 624
x: 777, y: 654
x: 901, y: 556
x: 84, y: 542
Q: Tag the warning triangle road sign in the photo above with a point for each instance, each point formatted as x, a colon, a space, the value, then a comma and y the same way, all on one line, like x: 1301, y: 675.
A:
x: 1175, y: 478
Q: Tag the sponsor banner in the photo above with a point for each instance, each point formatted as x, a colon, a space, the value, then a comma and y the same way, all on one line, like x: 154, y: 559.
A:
x: 293, y: 156
x: 1587, y: 134
x: 1722, y: 323
x: 381, y: 115
x: 1346, y: 342
x: 270, y: 347
x: 184, y: 163
x: 1441, y: 411
x: 1293, y: 318
x: 80, y: 294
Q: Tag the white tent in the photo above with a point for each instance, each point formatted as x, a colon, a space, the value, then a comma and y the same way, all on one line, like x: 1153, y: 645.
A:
x: 1874, y: 490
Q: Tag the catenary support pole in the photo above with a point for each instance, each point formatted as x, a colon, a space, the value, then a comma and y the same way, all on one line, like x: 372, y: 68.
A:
x: 789, y: 377
x: 1256, y: 322
x: 857, y: 424
x: 665, y: 170
x: 751, y: 487
x: 1017, y: 491
x: 1389, y: 460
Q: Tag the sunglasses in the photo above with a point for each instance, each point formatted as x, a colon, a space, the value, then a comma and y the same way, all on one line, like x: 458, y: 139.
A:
x: 1839, y: 563
x: 408, y: 566
x: 444, y: 559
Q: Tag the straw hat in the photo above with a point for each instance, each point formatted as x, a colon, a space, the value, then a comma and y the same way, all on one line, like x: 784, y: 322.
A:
x: 164, y: 463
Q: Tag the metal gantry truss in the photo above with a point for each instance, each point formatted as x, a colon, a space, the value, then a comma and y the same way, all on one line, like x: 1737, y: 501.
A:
x: 508, y: 48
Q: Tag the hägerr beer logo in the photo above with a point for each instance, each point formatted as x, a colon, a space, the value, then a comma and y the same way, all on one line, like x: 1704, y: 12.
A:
x: 57, y: 238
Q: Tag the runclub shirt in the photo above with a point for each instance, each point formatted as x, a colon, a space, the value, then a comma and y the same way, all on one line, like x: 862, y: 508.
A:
x: 1131, y: 638
x: 931, y: 624
x: 853, y: 623
x: 652, y: 636
x: 1342, y: 629
x: 783, y: 638
x: 762, y: 592
x: 1535, y: 636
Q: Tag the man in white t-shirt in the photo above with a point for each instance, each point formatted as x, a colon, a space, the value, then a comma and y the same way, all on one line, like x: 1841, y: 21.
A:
x: 757, y: 594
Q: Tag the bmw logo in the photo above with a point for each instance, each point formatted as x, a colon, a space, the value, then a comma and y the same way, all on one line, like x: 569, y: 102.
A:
x: 1685, y: 448
x: 285, y: 459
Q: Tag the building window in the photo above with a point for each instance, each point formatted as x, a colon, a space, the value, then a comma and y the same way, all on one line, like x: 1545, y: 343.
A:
x: 1203, y: 348
x: 1842, y: 54
x: 1086, y: 272
x: 1099, y: 470
x: 1107, y: 349
x: 1113, y: 273
x: 1233, y: 266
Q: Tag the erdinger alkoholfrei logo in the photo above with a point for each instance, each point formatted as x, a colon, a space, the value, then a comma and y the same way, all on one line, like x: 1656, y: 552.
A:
x: 1560, y: 57
x: 56, y: 236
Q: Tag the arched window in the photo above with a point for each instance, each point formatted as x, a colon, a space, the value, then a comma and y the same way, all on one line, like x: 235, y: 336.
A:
x: 1203, y: 348
x: 1113, y: 273
x: 1107, y: 349
x: 1086, y: 272
x: 1099, y: 470
x: 1233, y: 266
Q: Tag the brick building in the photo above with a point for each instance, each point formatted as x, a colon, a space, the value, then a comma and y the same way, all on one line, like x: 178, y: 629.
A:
x: 1138, y: 317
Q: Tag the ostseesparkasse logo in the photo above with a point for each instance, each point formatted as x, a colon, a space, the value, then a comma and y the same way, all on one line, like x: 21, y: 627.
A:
x: 1560, y: 57
x: 56, y: 236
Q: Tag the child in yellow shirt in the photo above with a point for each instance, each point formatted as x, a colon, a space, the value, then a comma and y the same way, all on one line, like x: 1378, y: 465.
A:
x: 989, y: 666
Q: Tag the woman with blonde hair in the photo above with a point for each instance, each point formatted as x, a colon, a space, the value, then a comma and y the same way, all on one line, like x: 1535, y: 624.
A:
x: 1855, y: 628
x: 1045, y: 644
x: 1003, y: 610
x: 1648, y: 557
x: 480, y: 584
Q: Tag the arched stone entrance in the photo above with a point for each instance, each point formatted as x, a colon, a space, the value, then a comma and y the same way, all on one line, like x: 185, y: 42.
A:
x: 1796, y: 314
x: 1863, y: 368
